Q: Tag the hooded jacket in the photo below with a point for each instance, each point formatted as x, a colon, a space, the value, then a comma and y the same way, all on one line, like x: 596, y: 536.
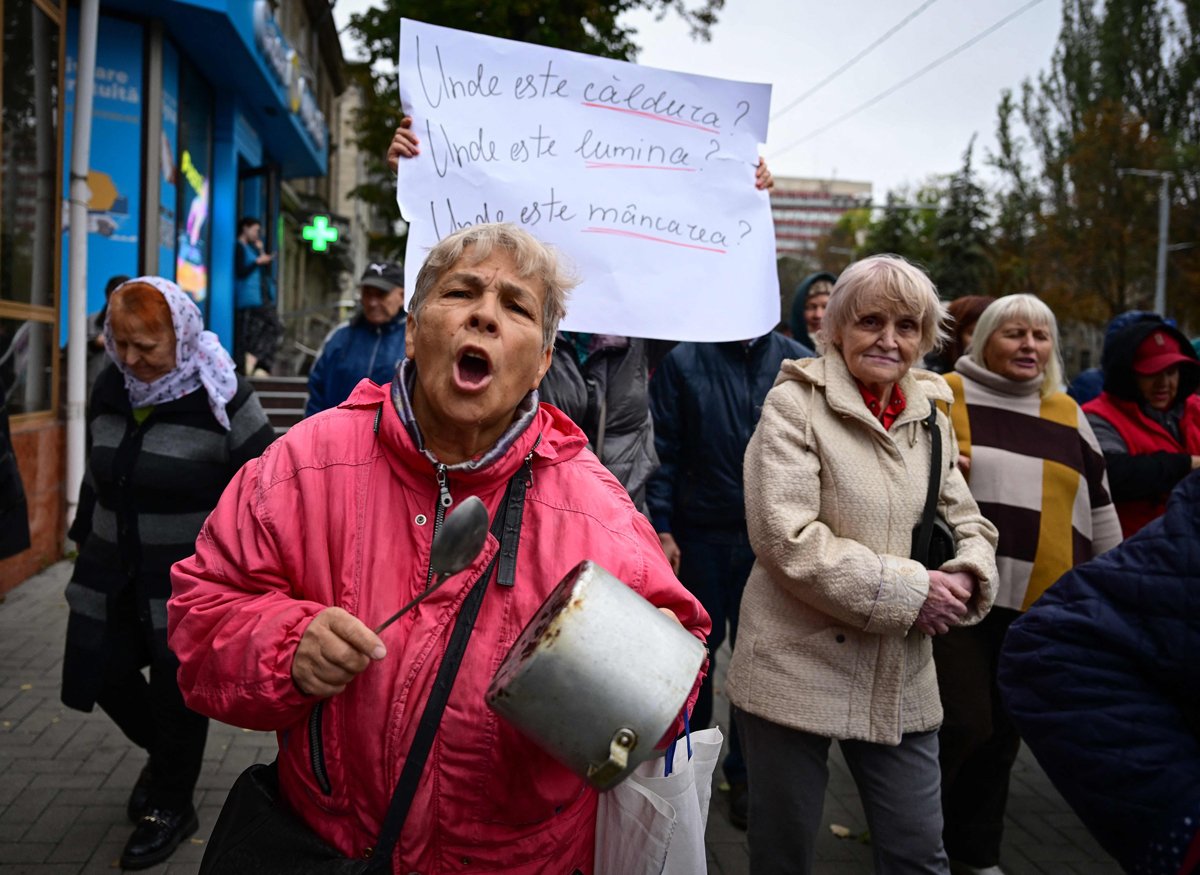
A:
x: 356, y: 350
x: 796, y: 322
x: 1101, y: 677
x: 825, y: 639
x: 1144, y: 460
x: 337, y: 514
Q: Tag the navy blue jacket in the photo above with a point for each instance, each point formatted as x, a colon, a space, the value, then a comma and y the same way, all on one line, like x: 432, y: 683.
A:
x: 352, y: 352
x: 706, y: 399
x: 1102, y: 677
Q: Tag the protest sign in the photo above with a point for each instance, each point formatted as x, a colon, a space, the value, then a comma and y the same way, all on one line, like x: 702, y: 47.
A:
x: 644, y: 178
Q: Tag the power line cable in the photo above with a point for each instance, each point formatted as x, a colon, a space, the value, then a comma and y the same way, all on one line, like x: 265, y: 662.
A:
x: 846, y: 66
x: 930, y: 66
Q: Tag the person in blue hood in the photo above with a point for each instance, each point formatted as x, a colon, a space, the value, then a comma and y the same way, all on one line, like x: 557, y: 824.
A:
x: 369, y: 345
x: 808, y: 306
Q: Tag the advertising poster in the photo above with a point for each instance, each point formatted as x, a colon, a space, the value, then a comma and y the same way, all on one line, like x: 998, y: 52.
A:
x: 195, y: 120
x: 168, y: 188
x: 114, y: 181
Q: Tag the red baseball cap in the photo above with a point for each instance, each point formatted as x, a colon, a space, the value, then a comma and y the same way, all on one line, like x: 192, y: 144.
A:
x: 1157, y: 353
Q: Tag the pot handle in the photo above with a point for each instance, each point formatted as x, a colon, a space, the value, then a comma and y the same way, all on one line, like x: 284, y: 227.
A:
x: 623, y: 742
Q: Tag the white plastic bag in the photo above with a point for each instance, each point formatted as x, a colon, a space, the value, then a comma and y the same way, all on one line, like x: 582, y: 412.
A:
x: 651, y: 824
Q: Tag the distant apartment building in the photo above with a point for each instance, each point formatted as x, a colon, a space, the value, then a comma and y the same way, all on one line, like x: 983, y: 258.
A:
x: 806, y: 209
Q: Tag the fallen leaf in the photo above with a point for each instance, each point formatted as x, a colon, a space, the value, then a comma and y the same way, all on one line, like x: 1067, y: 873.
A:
x: 26, y: 686
x: 840, y: 831
x: 195, y: 841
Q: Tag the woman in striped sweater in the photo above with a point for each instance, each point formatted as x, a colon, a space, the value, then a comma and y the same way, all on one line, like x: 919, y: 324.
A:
x: 169, y: 424
x: 1036, y: 470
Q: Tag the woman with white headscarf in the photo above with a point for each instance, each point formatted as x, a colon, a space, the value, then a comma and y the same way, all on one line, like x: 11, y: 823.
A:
x: 169, y: 424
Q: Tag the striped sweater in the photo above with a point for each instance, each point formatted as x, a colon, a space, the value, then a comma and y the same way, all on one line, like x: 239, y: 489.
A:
x: 146, y: 492
x: 1037, y: 473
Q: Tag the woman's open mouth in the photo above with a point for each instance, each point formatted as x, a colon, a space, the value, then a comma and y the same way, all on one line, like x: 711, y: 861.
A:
x: 472, y: 370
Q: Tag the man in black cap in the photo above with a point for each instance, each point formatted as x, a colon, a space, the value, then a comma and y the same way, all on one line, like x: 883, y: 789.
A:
x: 369, y: 345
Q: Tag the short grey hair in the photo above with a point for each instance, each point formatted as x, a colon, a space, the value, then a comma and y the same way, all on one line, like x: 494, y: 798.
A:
x: 892, y: 284
x: 534, y: 259
x: 1036, y: 312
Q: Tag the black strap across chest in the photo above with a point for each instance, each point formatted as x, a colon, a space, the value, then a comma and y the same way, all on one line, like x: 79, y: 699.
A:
x: 506, y: 527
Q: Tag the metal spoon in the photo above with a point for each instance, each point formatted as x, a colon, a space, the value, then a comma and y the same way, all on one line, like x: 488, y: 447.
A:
x: 455, y: 546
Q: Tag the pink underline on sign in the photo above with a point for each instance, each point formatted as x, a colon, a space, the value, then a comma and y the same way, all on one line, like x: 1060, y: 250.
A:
x: 621, y: 233
x: 658, y: 118
x: 601, y: 165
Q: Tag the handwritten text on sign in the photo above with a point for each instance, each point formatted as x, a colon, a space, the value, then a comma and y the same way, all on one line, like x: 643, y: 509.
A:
x: 643, y: 177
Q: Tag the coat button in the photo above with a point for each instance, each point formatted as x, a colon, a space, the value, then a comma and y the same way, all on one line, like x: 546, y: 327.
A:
x: 368, y: 852
x: 841, y: 639
x: 421, y: 519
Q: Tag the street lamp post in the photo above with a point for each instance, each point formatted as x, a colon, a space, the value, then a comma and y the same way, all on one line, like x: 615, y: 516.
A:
x: 1164, y: 221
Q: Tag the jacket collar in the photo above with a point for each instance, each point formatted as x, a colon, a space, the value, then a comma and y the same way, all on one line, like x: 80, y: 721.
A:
x: 920, y: 388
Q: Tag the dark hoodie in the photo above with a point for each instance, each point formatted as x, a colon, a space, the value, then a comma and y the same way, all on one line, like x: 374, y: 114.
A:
x: 1154, y: 475
x: 797, y: 324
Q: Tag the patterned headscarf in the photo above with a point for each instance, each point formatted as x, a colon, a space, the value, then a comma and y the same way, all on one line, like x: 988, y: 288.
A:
x: 200, y: 360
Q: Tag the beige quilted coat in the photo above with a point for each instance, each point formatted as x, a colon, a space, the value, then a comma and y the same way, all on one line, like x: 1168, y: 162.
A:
x: 825, y: 641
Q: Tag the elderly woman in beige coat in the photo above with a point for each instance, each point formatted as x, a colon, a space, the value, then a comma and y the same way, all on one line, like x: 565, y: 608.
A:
x: 836, y: 620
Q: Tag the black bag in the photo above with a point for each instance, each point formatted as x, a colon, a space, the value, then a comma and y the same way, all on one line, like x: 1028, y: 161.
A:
x: 932, y: 540
x: 256, y: 833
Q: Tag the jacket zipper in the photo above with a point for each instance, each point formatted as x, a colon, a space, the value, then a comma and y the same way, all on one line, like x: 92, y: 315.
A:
x: 444, y: 501
x: 316, y: 748
x: 315, y: 742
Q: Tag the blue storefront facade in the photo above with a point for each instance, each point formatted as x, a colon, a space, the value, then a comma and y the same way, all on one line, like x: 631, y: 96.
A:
x: 201, y: 108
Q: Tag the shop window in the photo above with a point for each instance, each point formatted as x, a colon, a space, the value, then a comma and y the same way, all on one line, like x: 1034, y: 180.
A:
x: 195, y: 174
x: 29, y: 158
x: 27, y: 364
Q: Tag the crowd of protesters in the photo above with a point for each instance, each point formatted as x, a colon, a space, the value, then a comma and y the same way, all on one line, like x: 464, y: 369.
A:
x: 917, y: 543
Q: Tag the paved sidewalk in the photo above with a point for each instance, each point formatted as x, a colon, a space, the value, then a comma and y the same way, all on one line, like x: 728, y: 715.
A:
x: 65, y: 777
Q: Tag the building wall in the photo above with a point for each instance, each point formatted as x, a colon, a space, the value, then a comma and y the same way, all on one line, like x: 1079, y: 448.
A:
x: 805, y: 209
x: 38, y: 446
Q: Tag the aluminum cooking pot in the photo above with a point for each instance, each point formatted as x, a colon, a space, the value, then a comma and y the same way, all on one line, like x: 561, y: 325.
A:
x: 597, y: 676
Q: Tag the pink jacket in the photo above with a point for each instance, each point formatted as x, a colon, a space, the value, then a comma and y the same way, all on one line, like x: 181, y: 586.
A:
x: 333, y: 514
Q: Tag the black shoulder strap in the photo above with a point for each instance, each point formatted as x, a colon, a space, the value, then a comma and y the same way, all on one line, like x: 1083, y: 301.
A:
x: 431, y: 717
x: 935, y: 473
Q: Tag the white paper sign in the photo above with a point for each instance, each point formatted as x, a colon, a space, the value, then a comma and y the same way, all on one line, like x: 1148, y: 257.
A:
x: 644, y: 178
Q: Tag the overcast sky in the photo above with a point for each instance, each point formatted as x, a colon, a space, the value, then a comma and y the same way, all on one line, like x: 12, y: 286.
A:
x: 920, y: 130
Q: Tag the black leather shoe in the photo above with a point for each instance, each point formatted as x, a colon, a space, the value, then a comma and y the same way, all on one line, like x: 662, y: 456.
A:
x: 157, y: 835
x: 139, y: 798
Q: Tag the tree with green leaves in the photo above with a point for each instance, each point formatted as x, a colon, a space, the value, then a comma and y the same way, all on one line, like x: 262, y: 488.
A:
x: 962, y: 261
x: 587, y: 26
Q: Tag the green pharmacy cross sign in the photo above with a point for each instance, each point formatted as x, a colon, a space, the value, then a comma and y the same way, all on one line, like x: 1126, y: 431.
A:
x: 320, y: 233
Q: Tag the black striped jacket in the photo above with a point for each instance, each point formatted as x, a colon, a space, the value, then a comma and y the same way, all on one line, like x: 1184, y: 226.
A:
x: 146, y: 492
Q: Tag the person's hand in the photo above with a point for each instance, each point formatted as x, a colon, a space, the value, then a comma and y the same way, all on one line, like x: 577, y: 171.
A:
x: 334, y: 649
x: 946, y: 604
x: 964, y: 464
x: 763, y: 180
x: 404, y: 144
x: 671, y: 614
x: 670, y: 550
x: 1195, y: 462
x: 265, y: 258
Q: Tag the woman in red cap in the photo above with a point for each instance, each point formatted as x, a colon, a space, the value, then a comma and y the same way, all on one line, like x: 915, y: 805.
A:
x: 1147, y: 419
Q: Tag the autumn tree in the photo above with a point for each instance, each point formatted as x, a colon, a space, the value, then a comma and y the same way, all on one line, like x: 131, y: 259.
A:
x: 1121, y: 92
x: 587, y: 26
